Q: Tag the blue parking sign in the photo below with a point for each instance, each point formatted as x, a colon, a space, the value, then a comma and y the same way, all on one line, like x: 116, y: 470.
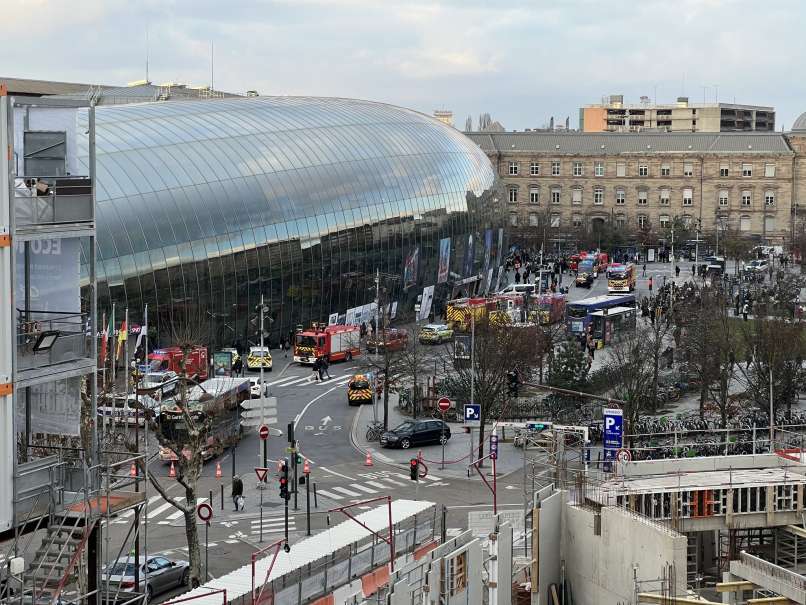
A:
x: 613, y: 428
x: 472, y: 414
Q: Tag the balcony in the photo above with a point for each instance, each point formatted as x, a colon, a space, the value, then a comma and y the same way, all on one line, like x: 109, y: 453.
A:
x: 47, y: 340
x: 67, y: 201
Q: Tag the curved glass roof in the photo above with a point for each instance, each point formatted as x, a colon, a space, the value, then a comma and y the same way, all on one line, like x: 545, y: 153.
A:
x: 180, y: 183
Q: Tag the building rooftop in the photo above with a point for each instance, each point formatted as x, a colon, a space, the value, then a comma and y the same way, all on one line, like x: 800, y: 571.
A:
x: 673, y: 105
x: 613, y: 143
x: 25, y: 86
x: 676, y: 482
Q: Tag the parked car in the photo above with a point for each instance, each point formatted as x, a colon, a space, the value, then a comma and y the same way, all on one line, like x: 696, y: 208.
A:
x: 584, y: 280
x: 122, y: 409
x: 254, y: 387
x: 416, y: 432
x: 165, y: 380
x: 435, y: 334
x: 163, y: 574
x: 258, y: 356
x: 392, y: 340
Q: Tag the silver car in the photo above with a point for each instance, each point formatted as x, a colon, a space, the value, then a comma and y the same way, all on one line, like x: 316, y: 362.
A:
x: 163, y: 574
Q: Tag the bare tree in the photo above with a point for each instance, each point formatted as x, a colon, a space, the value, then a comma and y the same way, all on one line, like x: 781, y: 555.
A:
x: 630, y: 373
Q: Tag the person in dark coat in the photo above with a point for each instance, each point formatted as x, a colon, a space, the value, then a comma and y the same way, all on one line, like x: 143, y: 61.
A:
x: 237, y: 493
x: 237, y: 367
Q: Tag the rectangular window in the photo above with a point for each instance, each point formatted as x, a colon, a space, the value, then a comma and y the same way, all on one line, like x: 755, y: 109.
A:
x: 621, y: 221
x: 747, y: 170
x: 688, y: 196
x: 621, y: 169
x: 619, y: 197
x: 724, y: 170
x: 577, y: 169
x: 643, y: 196
x: 665, y: 196
x: 723, y: 197
x: 555, y: 221
x: 513, y: 219
x: 555, y: 169
x: 688, y: 169
x: 687, y: 221
x: 769, y: 170
x: 747, y: 198
x: 555, y: 195
x: 598, y: 169
x: 576, y: 196
x: 744, y: 223
x: 598, y: 196
x: 769, y: 223
x: 534, y: 169
x: 664, y: 221
x: 534, y: 195
x: 769, y: 198
x: 532, y: 219
x: 643, y: 170
x: 665, y: 170
x: 513, y: 169
x: 513, y: 195
x: 642, y: 221
x: 576, y: 220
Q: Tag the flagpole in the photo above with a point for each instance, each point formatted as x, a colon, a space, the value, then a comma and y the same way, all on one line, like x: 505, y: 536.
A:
x: 145, y: 447
x: 126, y: 371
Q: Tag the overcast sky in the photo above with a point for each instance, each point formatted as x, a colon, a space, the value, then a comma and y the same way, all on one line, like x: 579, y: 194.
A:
x: 521, y: 61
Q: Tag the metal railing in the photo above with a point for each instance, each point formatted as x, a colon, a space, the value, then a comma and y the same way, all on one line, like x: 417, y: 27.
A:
x: 68, y: 201
x: 72, y: 340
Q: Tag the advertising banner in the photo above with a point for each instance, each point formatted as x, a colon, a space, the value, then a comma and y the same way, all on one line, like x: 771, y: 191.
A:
x: 222, y: 363
x: 444, y: 260
x: 498, y: 257
x: 469, y: 256
x: 410, y: 268
x: 333, y: 319
x: 461, y: 347
x: 488, y: 248
x: 425, y: 305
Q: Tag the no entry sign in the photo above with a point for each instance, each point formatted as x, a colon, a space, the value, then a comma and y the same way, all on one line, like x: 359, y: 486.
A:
x: 205, y: 512
x: 263, y: 432
x: 444, y: 404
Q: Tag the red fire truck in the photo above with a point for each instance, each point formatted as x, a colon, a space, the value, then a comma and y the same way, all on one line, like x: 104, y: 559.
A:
x: 334, y: 342
x: 170, y: 358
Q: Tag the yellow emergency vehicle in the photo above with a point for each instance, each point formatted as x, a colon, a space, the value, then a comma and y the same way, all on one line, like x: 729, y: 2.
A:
x: 359, y: 390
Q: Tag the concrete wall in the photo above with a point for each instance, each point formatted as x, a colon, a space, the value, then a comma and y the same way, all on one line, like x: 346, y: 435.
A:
x: 600, y: 568
x: 710, y: 463
x: 550, y: 525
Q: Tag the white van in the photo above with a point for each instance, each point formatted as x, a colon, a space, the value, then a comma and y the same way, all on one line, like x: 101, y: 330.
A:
x: 518, y: 289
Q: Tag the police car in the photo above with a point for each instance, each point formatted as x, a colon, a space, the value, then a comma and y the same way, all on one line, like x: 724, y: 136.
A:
x: 435, y: 334
x: 258, y: 356
x: 359, y: 390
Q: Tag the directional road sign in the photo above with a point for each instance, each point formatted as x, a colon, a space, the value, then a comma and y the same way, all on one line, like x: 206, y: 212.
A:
x: 444, y: 404
x: 472, y: 414
x: 254, y: 410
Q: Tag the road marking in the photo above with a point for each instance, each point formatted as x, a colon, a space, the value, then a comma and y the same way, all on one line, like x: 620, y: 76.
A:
x: 178, y: 513
x: 231, y: 541
x: 153, y: 513
x: 390, y: 480
x: 277, y: 530
x: 380, y: 486
x: 267, y: 520
x: 363, y: 488
x: 345, y: 491
x: 327, y: 494
x: 310, y: 403
x: 271, y: 525
x: 429, y: 476
x: 129, y: 513
x: 284, y: 379
x: 299, y: 381
x: 327, y: 470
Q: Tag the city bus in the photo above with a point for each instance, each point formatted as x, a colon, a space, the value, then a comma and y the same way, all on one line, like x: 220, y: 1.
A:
x: 578, y: 313
x: 621, y: 278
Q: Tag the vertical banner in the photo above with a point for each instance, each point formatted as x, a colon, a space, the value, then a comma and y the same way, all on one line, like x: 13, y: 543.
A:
x: 410, y: 268
x: 613, y: 420
x: 469, y: 257
x: 488, y: 248
x: 498, y: 258
x: 425, y: 305
x: 393, y: 312
x: 444, y: 260
x: 333, y: 319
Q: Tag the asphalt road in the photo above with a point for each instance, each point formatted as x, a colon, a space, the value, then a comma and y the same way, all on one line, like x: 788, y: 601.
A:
x: 322, y: 421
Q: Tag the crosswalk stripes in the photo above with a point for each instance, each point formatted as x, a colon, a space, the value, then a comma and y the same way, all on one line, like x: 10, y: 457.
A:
x: 346, y: 492
x: 272, y: 525
x: 385, y: 483
x: 156, y: 510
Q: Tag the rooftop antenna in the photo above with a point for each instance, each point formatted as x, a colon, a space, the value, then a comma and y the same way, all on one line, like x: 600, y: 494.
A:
x: 212, y: 64
x: 716, y: 93
x: 147, y: 80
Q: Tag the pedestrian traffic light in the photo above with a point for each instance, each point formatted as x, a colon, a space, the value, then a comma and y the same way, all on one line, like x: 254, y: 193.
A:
x: 284, y: 480
x: 299, y: 458
x: 414, y: 469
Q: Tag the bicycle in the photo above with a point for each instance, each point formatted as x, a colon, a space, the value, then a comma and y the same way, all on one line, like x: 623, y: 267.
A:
x: 374, y: 430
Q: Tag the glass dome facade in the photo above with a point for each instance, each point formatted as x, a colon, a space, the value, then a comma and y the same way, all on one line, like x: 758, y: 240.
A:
x: 212, y: 203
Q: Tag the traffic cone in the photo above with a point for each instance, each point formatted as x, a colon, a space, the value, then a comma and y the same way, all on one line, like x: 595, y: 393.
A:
x: 368, y: 461
x: 172, y: 472
x: 133, y: 470
x: 306, y: 468
x: 218, y: 470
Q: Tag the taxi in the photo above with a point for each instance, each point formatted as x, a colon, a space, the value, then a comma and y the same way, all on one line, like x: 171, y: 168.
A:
x: 435, y: 334
x: 258, y: 356
x: 358, y: 390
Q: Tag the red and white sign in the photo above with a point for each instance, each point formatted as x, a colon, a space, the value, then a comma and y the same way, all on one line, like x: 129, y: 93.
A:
x: 205, y: 512
x: 261, y: 474
x: 623, y: 455
x: 444, y: 404
x: 263, y: 432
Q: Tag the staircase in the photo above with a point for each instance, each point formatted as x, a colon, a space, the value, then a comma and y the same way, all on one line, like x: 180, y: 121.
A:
x: 55, y: 562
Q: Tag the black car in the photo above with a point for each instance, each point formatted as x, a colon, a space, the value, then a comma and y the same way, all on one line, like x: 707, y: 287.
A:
x: 584, y: 280
x: 416, y: 432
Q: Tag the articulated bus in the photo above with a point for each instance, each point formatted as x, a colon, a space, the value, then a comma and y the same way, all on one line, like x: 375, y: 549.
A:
x: 621, y: 278
x: 578, y: 313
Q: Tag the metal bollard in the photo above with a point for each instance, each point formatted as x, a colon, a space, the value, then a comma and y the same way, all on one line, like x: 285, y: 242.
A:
x: 222, y: 496
x: 211, y: 498
x: 315, y: 500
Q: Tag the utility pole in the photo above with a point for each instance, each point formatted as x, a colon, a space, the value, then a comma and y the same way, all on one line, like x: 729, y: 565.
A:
x: 772, y: 415
x: 472, y: 371
x: 265, y: 463
x: 377, y: 304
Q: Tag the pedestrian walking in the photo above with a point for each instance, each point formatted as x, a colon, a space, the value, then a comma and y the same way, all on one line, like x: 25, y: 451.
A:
x: 650, y: 285
x: 644, y: 274
x: 237, y: 367
x: 693, y: 270
x: 317, y: 372
x: 325, y: 365
x: 677, y: 270
x: 237, y: 493
x: 745, y: 311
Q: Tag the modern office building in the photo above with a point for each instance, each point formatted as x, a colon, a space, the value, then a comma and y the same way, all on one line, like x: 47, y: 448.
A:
x: 578, y: 182
x: 613, y: 115
x: 212, y: 204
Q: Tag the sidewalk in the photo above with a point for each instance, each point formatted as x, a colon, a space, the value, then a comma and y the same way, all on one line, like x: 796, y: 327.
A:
x: 457, y: 450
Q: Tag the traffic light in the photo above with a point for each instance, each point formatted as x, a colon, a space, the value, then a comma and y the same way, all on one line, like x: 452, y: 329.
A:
x: 414, y: 469
x: 299, y: 458
x: 284, y: 480
x: 512, y: 383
